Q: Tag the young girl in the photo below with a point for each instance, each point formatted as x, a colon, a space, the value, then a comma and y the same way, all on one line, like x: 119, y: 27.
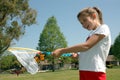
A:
x: 94, y: 51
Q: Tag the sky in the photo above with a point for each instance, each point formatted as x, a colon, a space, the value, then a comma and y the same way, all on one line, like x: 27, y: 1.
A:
x: 65, y: 12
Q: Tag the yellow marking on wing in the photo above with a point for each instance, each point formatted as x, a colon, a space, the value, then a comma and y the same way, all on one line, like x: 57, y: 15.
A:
x: 29, y: 50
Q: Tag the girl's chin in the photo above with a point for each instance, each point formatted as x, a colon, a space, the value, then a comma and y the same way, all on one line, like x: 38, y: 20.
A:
x: 89, y: 29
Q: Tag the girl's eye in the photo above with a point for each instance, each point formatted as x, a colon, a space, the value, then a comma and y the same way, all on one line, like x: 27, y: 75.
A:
x: 84, y: 20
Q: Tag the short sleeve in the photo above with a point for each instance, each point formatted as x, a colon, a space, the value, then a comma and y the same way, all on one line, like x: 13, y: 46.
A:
x: 103, y: 29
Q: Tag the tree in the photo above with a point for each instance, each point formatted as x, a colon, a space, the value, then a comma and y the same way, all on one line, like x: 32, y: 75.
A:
x: 15, y: 15
x: 51, y: 38
x: 116, y: 47
x: 9, y: 62
x: 111, y: 50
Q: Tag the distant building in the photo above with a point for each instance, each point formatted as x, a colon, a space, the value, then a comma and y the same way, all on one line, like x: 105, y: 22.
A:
x: 111, y: 61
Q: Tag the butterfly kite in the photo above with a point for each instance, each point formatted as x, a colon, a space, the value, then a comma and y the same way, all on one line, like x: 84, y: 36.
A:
x: 30, y: 58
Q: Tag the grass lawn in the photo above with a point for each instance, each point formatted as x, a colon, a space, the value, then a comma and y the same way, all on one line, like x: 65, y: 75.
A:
x: 112, y: 74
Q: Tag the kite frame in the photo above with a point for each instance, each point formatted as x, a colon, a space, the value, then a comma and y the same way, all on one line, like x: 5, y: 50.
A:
x: 22, y: 48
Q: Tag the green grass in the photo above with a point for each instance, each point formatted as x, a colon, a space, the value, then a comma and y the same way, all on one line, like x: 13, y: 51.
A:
x: 112, y: 74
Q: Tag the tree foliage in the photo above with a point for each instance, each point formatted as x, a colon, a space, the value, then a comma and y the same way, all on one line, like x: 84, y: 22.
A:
x: 9, y: 62
x: 51, y: 37
x: 15, y: 15
x: 116, y: 47
x: 111, y: 50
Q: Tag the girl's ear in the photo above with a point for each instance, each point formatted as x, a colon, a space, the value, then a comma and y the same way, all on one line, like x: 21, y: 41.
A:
x: 94, y: 16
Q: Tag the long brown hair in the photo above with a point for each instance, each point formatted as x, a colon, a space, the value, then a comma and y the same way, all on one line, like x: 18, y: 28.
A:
x: 89, y: 11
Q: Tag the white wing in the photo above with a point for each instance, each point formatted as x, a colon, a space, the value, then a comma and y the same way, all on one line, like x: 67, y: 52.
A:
x: 26, y: 57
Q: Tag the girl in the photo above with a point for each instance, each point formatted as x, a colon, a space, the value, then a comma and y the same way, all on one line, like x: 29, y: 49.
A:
x: 94, y: 51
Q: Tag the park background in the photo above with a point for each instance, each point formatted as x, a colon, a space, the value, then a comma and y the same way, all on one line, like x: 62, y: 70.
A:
x: 65, y: 11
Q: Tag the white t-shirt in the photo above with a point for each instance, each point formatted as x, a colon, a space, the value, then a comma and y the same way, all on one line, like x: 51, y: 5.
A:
x: 94, y: 59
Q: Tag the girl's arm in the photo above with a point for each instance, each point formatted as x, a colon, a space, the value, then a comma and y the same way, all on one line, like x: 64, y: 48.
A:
x: 93, y: 40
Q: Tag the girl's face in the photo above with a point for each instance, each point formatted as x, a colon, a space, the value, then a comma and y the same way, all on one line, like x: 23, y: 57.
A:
x: 88, y: 23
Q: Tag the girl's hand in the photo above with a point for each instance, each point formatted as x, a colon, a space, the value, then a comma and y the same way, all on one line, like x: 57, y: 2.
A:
x: 57, y: 52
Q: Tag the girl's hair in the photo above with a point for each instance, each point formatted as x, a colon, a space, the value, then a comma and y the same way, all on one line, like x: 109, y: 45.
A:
x: 89, y: 12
